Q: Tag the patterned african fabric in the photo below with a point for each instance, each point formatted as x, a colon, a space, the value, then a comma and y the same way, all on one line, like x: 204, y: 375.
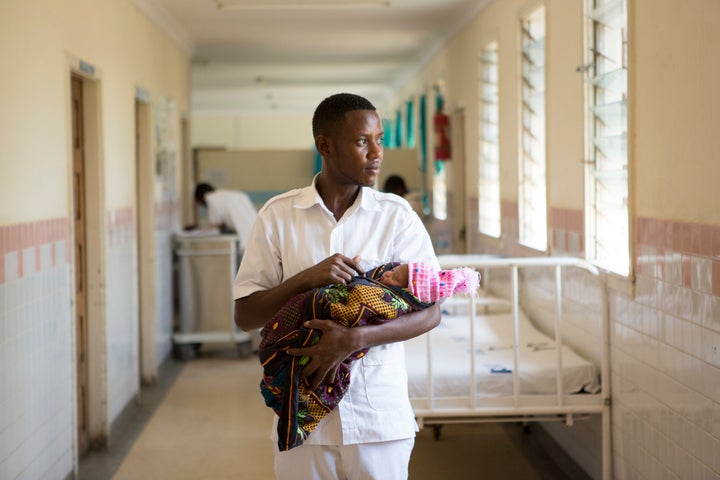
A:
x: 364, y: 301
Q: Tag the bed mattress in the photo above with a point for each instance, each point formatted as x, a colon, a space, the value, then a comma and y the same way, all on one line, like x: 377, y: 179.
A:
x: 450, y: 359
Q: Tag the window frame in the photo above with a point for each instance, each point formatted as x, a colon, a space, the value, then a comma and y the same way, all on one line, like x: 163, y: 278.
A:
x: 532, y: 222
x: 596, y: 76
x: 489, y: 211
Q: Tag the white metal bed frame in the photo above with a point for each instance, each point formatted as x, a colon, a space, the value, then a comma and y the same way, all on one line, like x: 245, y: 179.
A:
x: 433, y: 409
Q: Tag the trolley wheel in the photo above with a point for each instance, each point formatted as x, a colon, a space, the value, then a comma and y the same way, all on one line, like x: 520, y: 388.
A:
x: 437, y: 431
x: 184, y: 351
x: 244, y: 349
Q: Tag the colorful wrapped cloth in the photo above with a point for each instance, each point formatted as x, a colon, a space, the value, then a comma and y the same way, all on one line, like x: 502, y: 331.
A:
x: 365, y: 301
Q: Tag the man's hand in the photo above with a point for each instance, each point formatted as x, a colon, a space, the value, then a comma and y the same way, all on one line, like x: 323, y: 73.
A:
x: 334, y: 269
x: 336, y: 344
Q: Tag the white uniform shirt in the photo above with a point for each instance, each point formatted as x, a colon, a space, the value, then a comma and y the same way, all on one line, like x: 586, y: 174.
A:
x: 295, y: 231
x: 234, y: 209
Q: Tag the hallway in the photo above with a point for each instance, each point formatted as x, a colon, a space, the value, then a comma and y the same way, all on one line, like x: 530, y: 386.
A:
x: 205, y: 419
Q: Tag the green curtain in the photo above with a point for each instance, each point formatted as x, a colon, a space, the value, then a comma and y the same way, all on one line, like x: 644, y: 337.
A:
x: 398, y: 129
x: 410, y: 135
x: 389, y: 140
x: 423, y: 136
x: 423, y: 152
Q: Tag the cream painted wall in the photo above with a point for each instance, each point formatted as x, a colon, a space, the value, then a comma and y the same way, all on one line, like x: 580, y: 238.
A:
x: 674, y: 102
x: 37, y: 39
x: 457, y: 66
x: 675, y: 109
x: 268, y: 132
x: 565, y: 117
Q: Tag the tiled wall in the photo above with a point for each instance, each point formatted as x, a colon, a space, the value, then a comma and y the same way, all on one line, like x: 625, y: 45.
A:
x: 666, y: 355
x: 36, y: 341
x: 167, y: 221
x: 665, y: 348
x: 567, y: 235
x: 37, y: 334
x: 164, y: 308
x: 123, y: 371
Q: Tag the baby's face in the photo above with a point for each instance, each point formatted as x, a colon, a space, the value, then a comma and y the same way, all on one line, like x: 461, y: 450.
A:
x: 398, y: 276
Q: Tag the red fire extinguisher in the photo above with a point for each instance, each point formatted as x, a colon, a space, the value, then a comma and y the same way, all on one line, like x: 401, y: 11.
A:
x: 441, y: 125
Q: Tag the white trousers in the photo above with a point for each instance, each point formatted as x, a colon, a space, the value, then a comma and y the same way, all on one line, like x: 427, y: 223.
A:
x: 365, y: 461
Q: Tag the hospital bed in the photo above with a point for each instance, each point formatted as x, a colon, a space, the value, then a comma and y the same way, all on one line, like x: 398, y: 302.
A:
x: 488, y: 361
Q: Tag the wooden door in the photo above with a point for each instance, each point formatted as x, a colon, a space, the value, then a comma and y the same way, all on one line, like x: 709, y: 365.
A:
x: 79, y: 221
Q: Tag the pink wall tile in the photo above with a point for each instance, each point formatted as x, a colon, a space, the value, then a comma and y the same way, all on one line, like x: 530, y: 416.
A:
x: 576, y: 221
x: 706, y: 240
x: 695, y: 238
x: 686, y: 271
x: 38, y: 261
x: 668, y: 226
x: 15, y: 238
x: 716, y: 242
x: 658, y: 234
x: 685, y: 235
x: 20, y: 267
x: 640, y: 231
x: 3, y: 240
x: 677, y: 234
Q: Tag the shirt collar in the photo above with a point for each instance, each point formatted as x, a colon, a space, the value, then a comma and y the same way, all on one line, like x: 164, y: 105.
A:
x: 310, y: 197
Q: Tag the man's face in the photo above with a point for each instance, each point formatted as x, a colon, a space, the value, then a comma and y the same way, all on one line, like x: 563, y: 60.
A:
x: 398, y: 276
x: 356, y: 151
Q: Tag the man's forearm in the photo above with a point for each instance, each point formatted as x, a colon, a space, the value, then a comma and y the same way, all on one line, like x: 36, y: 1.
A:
x: 402, y: 328
x: 255, y: 310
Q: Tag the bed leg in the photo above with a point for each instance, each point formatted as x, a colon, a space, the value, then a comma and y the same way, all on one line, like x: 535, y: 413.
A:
x: 437, y: 430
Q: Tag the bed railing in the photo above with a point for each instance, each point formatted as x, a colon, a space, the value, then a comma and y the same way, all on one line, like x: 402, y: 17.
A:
x: 541, y: 408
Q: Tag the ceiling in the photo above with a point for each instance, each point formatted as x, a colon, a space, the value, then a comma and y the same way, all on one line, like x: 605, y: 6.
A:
x: 286, y: 59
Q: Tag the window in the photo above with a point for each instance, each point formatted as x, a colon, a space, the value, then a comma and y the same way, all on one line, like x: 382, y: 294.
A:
x: 489, y: 149
x: 606, y: 172
x: 532, y: 201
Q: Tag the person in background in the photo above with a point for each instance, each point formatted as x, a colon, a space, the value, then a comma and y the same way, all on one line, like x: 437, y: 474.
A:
x: 327, y: 233
x: 229, y: 210
x: 395, y: 184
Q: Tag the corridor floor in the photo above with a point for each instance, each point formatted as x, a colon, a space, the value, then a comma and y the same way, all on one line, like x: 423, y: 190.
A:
x: 205, y: 420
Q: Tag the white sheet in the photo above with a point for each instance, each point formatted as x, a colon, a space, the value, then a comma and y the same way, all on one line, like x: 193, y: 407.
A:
x: 494, y: 359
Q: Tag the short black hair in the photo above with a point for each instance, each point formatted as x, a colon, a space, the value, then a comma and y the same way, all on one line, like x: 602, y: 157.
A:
x: 395, y: 184
x: 332, y: 110
x: 200, y: 190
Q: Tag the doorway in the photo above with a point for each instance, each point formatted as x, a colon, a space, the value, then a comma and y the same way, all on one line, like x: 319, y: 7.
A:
x: 80, y: 249
x: 86, y: 186
x: 145, y: 238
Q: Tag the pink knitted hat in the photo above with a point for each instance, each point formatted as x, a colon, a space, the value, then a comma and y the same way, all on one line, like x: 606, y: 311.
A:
x: 430, y: 285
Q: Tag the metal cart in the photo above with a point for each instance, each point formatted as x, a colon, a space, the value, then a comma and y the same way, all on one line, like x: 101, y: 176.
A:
x: 206, y: 268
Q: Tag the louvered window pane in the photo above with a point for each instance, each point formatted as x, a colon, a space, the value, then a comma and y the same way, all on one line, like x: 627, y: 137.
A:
x: 489, y: 161
x: 607, y: 172
x: 532, y: 206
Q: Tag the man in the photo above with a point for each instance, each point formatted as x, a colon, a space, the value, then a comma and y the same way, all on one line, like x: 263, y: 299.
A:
x: 229, y: 210
x: 325, y: 233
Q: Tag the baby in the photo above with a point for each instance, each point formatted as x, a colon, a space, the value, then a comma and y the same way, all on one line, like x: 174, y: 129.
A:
x: 429, y: 284
x: 390, y: 290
